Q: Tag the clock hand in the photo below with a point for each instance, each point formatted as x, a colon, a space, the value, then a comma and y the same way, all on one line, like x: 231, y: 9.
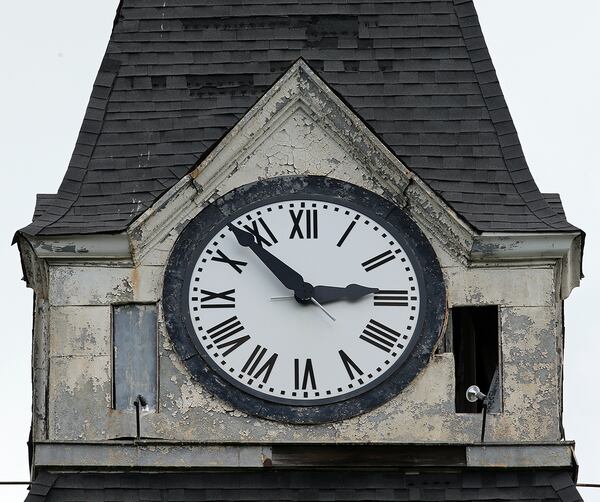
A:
x: 327, y: 294
x: 322, y: 308
x: 311, y: 299
x: 287, y: 275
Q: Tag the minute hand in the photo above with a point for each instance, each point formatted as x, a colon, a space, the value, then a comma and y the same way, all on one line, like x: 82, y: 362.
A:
x: 328, y: 294
x: 287, y: 275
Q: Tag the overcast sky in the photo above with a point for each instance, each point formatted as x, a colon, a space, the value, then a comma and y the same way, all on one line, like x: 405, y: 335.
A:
x: 546, y: 55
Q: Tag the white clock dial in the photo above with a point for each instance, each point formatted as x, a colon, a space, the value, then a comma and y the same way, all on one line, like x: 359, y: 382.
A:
x: 267, y: 343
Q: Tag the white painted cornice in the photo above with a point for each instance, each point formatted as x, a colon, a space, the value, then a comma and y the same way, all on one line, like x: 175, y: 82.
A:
x: 566, y: 249
x: 82, y: 247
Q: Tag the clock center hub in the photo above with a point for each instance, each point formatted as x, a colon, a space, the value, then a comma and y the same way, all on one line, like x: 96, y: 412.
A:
x: 304, y: 294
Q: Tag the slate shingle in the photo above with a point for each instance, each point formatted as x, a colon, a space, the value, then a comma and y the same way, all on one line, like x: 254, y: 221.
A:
x: 305, y: 485
x: 176, y: 78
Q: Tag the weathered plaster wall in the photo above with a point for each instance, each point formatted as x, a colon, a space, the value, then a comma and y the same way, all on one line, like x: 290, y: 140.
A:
x: 81, y: 386
x: 289, y: 138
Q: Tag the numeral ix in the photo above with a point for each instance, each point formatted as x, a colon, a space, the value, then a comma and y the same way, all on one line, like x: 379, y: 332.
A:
x: 307, y: 219
x: 213, y: 300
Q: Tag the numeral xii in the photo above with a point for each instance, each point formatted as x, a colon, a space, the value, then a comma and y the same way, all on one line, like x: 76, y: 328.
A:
x: 305, y: 224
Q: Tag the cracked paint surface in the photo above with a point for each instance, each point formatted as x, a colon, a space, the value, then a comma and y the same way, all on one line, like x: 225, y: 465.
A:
x: 315, y: 137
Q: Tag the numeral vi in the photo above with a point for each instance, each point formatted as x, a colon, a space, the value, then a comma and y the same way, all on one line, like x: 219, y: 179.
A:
x: 308, y: 375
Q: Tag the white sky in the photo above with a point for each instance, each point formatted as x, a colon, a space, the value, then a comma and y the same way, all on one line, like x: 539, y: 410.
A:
x: 546, y: 55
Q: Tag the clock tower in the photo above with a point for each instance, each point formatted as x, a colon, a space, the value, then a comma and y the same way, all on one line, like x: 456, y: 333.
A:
x: 291, y: 240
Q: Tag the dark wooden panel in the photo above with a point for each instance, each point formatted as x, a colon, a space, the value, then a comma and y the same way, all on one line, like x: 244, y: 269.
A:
x: 365, y: 455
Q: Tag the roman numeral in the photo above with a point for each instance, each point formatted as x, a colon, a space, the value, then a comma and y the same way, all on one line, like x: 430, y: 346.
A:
x: 253, y: 368
x: 350, y: 365
x: 346, y: 234
x: 222, y: 333
x: 378, y: 260
x: 309, y: 218
x: 223, y: 258
x: 308, y: 374
x: 380, y: 336
x: 228, y: 301
x: 391, y: 298
x: 260, y: 239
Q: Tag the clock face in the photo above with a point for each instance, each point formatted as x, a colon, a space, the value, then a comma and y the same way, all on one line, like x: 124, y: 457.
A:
x: 305, y: 306
x: 253, y: 329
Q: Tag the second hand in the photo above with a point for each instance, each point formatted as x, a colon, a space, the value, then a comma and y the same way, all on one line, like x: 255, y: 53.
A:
x: 277, y: 298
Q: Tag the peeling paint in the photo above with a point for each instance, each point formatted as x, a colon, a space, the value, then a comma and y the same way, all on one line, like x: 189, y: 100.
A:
x: 302, y: 131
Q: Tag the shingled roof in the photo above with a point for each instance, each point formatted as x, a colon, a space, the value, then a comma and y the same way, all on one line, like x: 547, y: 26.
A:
x: 179, y: 74
x: 305, y: 485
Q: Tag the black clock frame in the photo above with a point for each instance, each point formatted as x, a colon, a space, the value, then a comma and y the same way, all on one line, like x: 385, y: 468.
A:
x: 200, y: 230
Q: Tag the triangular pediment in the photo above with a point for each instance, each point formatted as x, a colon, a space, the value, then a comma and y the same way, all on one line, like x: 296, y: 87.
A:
x: 300, y: 127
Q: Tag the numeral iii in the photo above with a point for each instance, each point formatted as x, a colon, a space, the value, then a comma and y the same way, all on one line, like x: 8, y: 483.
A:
x: 391, y: 298
x: 350, y: 365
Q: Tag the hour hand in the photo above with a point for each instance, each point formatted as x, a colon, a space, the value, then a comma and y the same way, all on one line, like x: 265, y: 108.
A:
x: 286, y: 274
x: 352, y: 292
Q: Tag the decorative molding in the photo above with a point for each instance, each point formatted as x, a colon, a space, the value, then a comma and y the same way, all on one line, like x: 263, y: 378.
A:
x: 35, y: 270
x: 564, y: 249
x: 300, y: 91
x: 82, y: 247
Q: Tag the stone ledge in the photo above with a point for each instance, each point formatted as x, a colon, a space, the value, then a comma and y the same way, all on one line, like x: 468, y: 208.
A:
x: 162, y: 454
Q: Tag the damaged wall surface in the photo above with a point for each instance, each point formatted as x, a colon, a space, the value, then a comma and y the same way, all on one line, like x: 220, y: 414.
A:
x: 299, y: 128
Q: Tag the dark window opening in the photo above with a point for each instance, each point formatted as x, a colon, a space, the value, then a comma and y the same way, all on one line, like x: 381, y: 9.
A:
x: 135, y: 347
x: 475, y: 346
